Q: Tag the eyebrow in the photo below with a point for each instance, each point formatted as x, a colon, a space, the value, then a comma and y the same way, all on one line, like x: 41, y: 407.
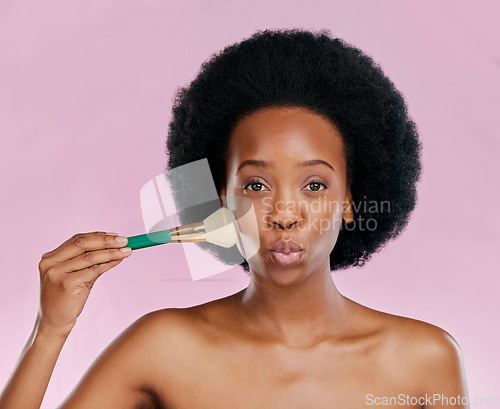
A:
x: 264, y: 164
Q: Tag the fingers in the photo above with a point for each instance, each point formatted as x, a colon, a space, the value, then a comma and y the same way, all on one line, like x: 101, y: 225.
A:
x: 91, y: 274
x: 91, y: 259
x: 81, y: 243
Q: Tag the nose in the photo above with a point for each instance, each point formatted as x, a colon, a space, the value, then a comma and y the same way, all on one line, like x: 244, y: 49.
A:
x: 284, y: 215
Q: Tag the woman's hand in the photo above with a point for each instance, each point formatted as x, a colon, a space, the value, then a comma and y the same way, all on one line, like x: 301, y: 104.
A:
x: 68, y: 273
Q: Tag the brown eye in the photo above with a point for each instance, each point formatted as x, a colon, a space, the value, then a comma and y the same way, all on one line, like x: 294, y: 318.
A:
x: 316, y: 185
x: 256, y: 186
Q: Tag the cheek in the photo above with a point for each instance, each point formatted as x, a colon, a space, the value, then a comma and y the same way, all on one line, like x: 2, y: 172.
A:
x: 262, y: 211
x: 324, y: 215
x: 323, y: 231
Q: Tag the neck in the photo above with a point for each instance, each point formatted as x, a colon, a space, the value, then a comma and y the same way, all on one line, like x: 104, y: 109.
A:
x: 303, y: 314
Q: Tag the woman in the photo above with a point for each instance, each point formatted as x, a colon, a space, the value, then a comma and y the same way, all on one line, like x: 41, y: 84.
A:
x: 309, y: 129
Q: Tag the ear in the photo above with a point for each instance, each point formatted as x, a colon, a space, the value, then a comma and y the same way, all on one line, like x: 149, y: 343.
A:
x: 348, y: 210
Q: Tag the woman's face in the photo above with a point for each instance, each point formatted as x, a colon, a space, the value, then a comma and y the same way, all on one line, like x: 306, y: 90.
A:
x: 290, y: 163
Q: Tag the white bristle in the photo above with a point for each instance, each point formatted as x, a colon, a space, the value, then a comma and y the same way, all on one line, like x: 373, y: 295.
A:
x: 221, y: 228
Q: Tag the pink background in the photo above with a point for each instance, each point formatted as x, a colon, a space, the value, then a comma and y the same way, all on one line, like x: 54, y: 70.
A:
x: 85, y: 99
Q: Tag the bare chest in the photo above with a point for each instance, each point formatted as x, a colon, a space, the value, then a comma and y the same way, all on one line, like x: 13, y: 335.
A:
x: 244, y: 377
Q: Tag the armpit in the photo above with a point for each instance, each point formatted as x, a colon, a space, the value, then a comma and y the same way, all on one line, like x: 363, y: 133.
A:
x: 150, y: 400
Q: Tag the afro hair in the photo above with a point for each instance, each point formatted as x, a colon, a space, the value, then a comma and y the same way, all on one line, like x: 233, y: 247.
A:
x: 313, y: 70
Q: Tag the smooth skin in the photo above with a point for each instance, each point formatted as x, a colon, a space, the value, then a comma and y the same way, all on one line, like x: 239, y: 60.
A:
x: 289, y: 340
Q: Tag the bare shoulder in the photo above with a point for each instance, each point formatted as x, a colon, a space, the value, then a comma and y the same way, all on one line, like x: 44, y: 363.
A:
x: 165, y: 333
x: 177, y: 334
x: 176, y: 323
x: 410, y: 335
x: 415, y: 338
x: 425, y: 343
x: 434, y: 358
x: 425, y: 351
x: 136, y: 367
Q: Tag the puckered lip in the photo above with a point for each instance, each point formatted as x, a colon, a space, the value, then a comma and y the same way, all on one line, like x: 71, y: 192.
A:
x: 286, y: 246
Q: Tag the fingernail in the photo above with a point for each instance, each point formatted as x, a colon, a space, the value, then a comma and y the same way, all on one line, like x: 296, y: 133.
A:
x: 126, y: 249
x: 121, y: 239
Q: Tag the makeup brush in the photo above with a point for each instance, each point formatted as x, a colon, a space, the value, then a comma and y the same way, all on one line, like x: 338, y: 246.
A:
x: 219, y: 228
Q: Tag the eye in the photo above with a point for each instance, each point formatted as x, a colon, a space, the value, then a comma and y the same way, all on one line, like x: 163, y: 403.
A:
x: 255, y: 185
x: 316, y: 184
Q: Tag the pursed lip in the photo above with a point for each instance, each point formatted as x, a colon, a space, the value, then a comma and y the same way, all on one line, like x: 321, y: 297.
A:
x: 286, y: 246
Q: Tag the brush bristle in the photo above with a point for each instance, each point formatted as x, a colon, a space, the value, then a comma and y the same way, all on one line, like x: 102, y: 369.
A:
x: 221, y: 228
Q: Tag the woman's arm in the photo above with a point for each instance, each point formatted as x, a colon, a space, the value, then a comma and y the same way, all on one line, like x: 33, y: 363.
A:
x: 67, y: 275
x: 28, y: 383
x: 118, y: 378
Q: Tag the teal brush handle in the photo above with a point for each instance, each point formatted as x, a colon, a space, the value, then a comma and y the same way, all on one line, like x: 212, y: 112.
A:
x: 143, y: 240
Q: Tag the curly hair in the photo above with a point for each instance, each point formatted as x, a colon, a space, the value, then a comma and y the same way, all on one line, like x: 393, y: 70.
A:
x: 312, y: 70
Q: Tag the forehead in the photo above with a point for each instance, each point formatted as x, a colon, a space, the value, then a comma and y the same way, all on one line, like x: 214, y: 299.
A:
x: 282, y: 134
